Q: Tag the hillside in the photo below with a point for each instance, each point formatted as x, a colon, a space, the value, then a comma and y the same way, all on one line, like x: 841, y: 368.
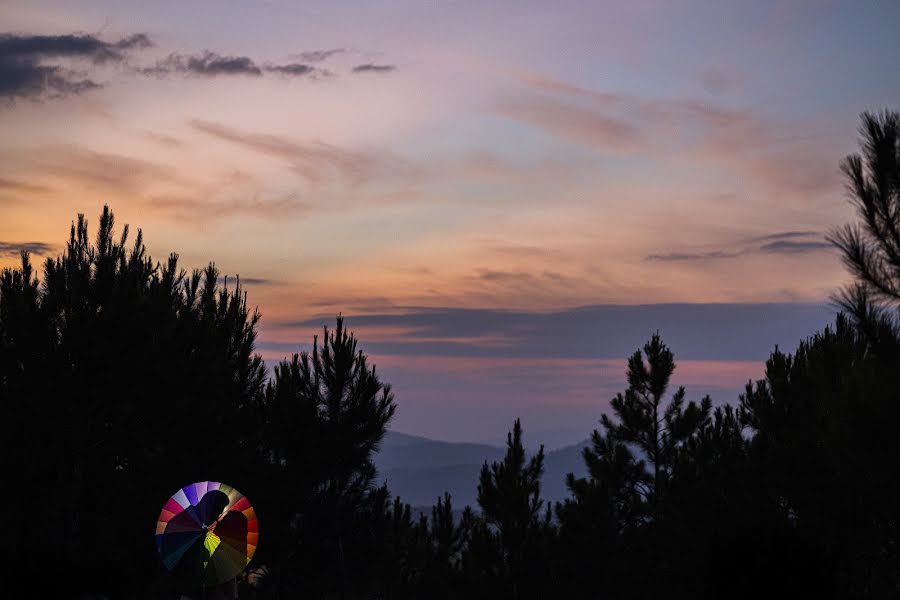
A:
x: 419, y: 470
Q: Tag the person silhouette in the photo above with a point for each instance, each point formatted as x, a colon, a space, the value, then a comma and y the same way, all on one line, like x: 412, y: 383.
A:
x: 186, y: 546
x: 230, y: 555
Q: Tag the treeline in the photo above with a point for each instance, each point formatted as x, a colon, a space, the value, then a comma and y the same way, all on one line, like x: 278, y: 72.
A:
x: 122, y: 379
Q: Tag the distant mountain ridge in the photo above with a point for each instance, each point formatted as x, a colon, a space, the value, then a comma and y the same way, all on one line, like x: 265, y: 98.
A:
x: 419, y: 470
x: 402, y: 450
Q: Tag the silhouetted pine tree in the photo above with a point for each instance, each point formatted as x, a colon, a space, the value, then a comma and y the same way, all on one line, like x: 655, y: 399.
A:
x: 871, y: 248
x: 622, y: 501
x: 446, y: 543
x: 325, y: 414
x: 658, y: 431
x: 483, y: 563
x: 403, y: 555
x: 597, y: 526
x: 824, y: 441
x: 121, y: 380
x: 509, y: 494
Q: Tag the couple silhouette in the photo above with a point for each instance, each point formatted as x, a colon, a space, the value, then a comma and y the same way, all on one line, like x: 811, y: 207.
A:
x: 201, y: 546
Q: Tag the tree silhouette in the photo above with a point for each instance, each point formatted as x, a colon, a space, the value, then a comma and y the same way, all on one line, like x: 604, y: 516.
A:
x: 121, y: 380
x: 871, y: 248
x: 447, y: 539
x: 624, y: 502
x: 658, y: 432
x: 825, y: 445
x: 324, y: 416
x: 509, y: 494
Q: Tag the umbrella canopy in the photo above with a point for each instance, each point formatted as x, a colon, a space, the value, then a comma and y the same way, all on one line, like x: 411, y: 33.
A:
x: 206, y: 533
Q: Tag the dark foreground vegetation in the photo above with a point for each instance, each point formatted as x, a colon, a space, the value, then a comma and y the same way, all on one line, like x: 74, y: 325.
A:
x: 122, y: 380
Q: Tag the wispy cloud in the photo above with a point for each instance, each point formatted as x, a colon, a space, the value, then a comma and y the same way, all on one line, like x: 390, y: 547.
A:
x: 374, y: 68
x: 522, y: 250
x: 162, y: 139
x: 8, y: 249
x: 791, y: 247
x: 521, y: 281
x: 22, y: 186
x: 318, y: 55
x: 684, y: 256
x: 258, y: 280
x: 202, y: 210
x: 29, y: 64
x: 207, y: 64
x: 183, y: 196
x: 578, y: 123
x: 315, y: 161
x: 788, y: 242
x: 212, y: 64
x: 296, y: 70
x: 784, y: 235
x: 102, y: 170
x: 780, y: 154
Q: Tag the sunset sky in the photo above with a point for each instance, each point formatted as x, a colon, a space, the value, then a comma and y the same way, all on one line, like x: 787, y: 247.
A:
x: 503, y: 198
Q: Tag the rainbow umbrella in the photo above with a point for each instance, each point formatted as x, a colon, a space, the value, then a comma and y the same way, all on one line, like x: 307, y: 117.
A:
x: 206, y: 533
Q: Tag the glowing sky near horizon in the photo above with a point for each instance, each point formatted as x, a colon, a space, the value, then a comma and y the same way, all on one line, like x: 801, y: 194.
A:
x: 420, y: 156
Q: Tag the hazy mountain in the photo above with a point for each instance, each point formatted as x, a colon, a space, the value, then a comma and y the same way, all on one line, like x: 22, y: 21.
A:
x: 559, y: 463
x: 419, y: 470
x: 401, y: 450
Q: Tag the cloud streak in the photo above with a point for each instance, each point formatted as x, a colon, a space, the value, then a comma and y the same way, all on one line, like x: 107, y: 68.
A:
x: 691, y: 131
x: 695, y: 331
x: 776, y: 243
x: 578, y: 123
x: 207, y: 64
x: 690, y: 256
x: 212, y: 64
x: 790, y: 247
x: 374, y: 68
x: 22, y: 186
x: 8, y: 249
x: 783, y: 235
x: 318, y: 55
x: 104, y: 171
x: 316, y: 161
x: 296, y: 70
x: 194, y: 209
